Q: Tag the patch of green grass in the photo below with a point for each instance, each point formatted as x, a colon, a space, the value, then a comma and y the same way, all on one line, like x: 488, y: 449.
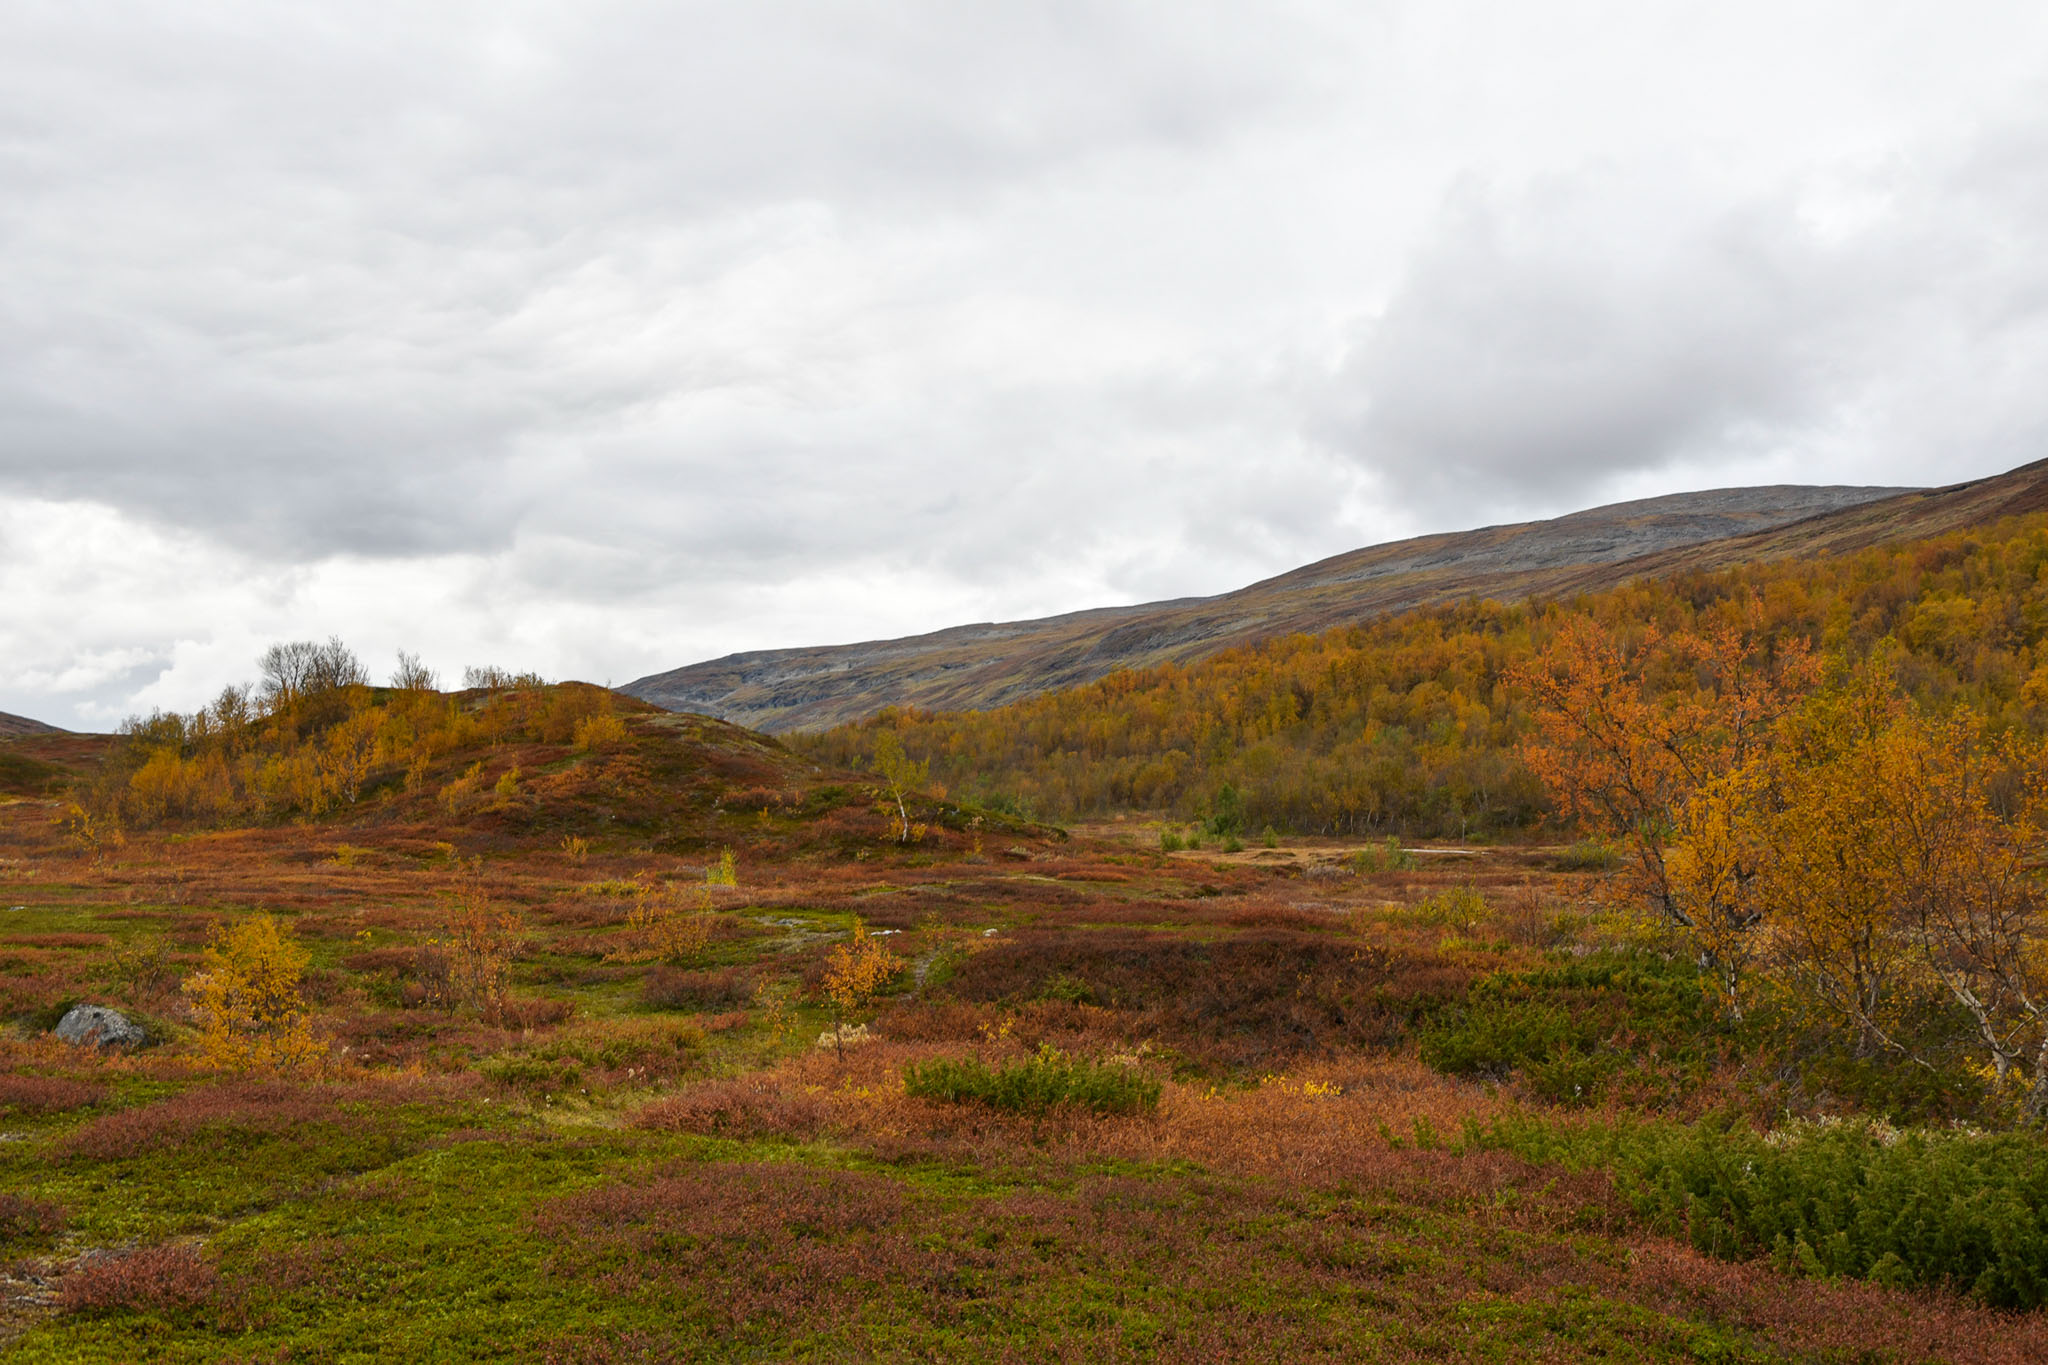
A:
x: 1034, y: 1085
x: 1960, y: 1210
x: 1572, y: 1030
x: 473, y: 1248
x: 125, y: 1175
x: 1588, y: 855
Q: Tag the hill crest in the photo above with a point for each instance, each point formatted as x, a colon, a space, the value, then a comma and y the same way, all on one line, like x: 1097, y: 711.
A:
x: 985, y: 664
x: 13, y: 727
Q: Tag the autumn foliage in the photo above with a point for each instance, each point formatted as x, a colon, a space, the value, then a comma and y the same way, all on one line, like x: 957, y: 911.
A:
x: 314, y: 737
x: 246, y: 1000
x: 855, y: 973
x: 1833, y: 850
x: 1414, y: 723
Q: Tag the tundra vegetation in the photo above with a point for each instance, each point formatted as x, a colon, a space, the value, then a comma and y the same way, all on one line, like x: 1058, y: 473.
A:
x: 1651, y: 976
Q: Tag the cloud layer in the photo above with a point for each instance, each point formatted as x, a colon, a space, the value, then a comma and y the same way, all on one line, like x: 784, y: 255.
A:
x: 606, y: 338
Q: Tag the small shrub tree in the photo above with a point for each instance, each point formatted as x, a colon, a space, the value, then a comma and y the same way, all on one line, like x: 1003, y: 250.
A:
x: 92, y: 833
x: 661, y: 926
x: 599, y: 732
x: 480, y: 942
x: 855, y: 972
x: 251, y: 1015
x: 413, y: 676
x: 900, y: 776
x: 727, y: 872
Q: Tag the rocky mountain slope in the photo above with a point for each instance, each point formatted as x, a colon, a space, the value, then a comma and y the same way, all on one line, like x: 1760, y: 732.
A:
x: 12, y: 726
x: 989, y: 664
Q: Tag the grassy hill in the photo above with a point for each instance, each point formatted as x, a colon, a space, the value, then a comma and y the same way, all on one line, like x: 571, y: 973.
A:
x: 623, y: 1035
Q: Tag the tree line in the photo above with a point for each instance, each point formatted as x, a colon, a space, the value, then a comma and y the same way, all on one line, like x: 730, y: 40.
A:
x: 1409, y: 724
x: 313, y: 734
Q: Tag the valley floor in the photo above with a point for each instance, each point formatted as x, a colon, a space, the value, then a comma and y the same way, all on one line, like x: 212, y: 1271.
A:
x: 645, y: 1162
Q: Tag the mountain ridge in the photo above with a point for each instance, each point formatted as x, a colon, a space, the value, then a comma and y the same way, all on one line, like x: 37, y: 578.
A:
x: 989, y: 663
x: 13, y: 727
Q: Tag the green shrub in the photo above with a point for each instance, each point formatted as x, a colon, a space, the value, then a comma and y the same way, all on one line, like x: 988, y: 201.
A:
x: 1383, y: 857
x: 1961, y: 1210
x: 1068, y: 987
x: 1034, y: 1085
x: 1226, y: 814
x: 1571, y: 1030
x: 1007, y: 804
x: 1170, y: 841
x: 1461, y: 908
x: 1588, y: 855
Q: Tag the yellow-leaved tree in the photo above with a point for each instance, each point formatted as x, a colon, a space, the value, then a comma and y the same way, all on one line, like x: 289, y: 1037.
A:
x: 246, y: 997
x: 477, y: 949
x: 900, y: 776
x: 1890, y: 858
x: 1632, y: 730
x: 855, y: 972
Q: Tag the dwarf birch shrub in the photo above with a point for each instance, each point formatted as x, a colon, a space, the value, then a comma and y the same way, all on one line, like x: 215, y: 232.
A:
x: 246, y: 997
x: 600, y: 732
x: 479, y: 945
x: 1387, y: 856
x: 663, y: 926
x: 727, y: 872
x: 1960, y: 1210
x: 855, y: 973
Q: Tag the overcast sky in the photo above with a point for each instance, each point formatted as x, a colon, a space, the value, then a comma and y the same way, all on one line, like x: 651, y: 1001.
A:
x: 603, y: 338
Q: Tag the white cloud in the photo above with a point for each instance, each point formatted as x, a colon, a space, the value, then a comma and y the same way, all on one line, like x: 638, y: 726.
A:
x: 599, y: 339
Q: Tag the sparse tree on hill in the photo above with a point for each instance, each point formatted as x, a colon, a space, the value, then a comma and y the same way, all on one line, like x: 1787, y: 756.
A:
x: 413, y: 676
x: 299, y: 669
x: 900, y: 776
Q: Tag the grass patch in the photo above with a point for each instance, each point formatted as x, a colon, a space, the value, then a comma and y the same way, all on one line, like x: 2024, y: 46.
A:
x: 1581, y: 1029
x: 1588, y: 855
x: 1035, y: 1085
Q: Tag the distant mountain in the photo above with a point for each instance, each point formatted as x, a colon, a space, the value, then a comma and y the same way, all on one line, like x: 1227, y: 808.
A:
x: 14, y: 726
x: 989, y: 664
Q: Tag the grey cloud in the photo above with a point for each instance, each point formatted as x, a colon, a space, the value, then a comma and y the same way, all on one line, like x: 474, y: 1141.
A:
x: 1547, y: 342
x: 600, y: 337
x: 318, y: 286
x: 1551, y: 342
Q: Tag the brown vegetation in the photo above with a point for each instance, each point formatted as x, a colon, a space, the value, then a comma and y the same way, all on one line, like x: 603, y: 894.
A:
x: 517, y: 1074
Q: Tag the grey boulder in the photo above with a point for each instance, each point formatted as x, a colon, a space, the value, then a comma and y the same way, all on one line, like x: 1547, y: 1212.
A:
x: 98, y: 1026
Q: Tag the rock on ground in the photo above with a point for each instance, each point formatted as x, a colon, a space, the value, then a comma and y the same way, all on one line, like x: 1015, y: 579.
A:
x: 98, y: 1026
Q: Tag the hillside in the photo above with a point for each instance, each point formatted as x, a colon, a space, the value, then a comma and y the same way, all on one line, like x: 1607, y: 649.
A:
x: 532, y: 1022
x: 509, y: 768
x: 1402, y: 722
x: 990, y: 664
x: 12, y: 725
